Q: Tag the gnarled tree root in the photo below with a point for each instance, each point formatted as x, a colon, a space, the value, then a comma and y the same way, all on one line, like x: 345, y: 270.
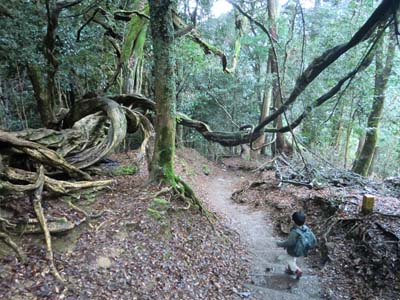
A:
x: 9, y: 242
x: 41, y: 154
x: 54, y: 225
x: 53, y: 185
x: 185, y: 192
x: 37, y: 206
x: 179, y: 189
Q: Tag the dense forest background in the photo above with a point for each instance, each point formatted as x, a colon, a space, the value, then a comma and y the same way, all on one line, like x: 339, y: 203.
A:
x: 97, y: 47
x: 296, y: 100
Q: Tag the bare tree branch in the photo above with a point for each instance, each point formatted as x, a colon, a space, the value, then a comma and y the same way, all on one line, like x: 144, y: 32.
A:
x: 66, y: 4
x: 125, y: 15
x: 120, y: 63
x: 380, y: 16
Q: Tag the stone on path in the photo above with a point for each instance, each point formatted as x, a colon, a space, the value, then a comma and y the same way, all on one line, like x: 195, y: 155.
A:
x: 103, y: 262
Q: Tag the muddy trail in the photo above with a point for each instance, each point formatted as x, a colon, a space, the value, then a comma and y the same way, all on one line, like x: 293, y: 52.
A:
x: 255, y: 227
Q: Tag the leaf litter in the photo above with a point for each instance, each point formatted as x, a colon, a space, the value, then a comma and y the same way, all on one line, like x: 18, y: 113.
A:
x: 131, y: 253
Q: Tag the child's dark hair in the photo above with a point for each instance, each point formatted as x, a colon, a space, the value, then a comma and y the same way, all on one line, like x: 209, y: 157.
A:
x: 299, y: 218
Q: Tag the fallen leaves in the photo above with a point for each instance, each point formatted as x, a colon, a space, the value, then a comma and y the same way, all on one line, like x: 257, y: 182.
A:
x: 128, y: 254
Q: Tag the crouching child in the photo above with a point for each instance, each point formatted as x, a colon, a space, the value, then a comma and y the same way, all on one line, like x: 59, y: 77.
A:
x: 299, y: 241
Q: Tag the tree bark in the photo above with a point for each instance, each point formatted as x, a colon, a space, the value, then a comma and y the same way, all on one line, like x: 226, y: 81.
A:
x: 162, y: 164
x: 270, y: 89
x: 47, y: 94
x: 240, y: 24
x: 372, y: 166
x: 349, y: 131
x: 382, y: 73
x: 44, y: 103
x: 132, y: 51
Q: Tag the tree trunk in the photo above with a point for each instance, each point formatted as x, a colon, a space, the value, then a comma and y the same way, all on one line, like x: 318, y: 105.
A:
x: 372, y: 167
x: 382, y: 73
x: 47, y: 94
x: 45, y: 104
x: 132, y: 51
x: 361, y: 142
x: 162, y: 165
x: 281, y: 145
x: 338, y: 129
x: 179, y: 137
x: 270, y: 79
x: 349, y: 131
x: 240, y: 24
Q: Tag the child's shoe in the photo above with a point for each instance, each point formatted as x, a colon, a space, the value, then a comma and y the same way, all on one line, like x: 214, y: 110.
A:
x: 288, y: 271
x: 299, y: 273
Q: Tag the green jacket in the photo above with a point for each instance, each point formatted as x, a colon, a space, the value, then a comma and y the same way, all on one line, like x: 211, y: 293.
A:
x: 290, y: 243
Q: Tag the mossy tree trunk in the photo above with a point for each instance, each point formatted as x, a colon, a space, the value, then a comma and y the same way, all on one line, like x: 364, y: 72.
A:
x: 133, y: 50
x: 382, y: 73
x: 265, y: 105
x: 162, y: 31
x: 240, y: 25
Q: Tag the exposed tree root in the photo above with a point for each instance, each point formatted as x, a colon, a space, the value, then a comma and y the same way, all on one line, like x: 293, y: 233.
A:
x: 332, y: 223
x: 10, y: 187
x: 37, y: 206
x: 53, y: 185
x: 163, y: 191
x: 265, y: 166
x: 187, y: 194
x: 82, y: 211
x: 9, y: 242
x: 6, y: 223
x: 54, y: 225
x: 115, y: 133
x: 138, y: 121
x: 39, y: 153
x: 96, y: 127
x: 237, y: 195
x: 178, y: 188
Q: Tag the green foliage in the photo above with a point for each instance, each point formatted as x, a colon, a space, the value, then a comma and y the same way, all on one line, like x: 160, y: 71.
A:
x: 206, y: 169
x: 125, y: 170
x: 158, y: 215
x: 158, y: 208
x: 189, y: 171
x: 204, y: 92
x: 160, y: 203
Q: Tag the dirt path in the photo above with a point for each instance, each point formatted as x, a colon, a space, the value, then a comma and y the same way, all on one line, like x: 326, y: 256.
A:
x: 268, y: 280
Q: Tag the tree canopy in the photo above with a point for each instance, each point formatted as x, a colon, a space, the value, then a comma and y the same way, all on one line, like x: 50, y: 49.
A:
x: 64, y: 60
x: 79, y: 78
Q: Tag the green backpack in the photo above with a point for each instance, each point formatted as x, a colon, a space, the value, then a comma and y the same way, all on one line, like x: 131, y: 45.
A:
x: 306, y: 240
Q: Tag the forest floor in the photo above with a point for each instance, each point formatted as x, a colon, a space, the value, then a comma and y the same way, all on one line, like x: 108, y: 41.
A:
x: 267, y: 279
x: 146, y: 248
